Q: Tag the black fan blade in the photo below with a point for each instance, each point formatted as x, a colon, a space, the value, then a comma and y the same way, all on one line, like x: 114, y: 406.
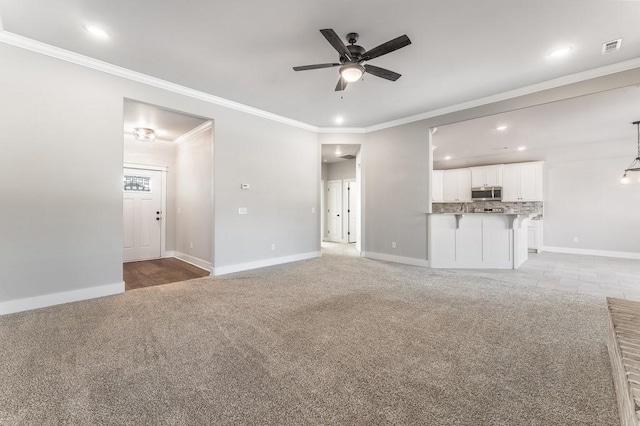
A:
x: 382, y: 73
x: 388, y: 47
x: 342, y: 84
x: 314, y: 67
x: 335, y: 41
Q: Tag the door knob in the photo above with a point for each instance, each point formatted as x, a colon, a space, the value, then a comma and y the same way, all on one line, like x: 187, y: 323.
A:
x: 157, y: 212
x: 157, y: 218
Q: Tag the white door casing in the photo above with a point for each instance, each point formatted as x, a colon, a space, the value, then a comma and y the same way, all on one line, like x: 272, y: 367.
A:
x: 353, y: 210
x: 334, y: 210
x: 142, y: 215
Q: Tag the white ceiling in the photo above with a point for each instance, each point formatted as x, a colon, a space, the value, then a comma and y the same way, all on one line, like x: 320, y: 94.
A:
x: 333, y: 153
x: 245, y: 50
x: 600, y: 117
x: 168, y: 124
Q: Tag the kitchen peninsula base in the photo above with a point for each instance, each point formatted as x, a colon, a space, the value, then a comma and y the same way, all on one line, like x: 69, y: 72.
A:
x: 478, y: 240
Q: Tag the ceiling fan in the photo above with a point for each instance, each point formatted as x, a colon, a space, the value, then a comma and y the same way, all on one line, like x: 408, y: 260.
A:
x: 353, y: 56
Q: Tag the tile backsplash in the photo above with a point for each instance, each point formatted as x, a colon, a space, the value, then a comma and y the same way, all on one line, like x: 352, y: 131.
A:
x: 527, y: 207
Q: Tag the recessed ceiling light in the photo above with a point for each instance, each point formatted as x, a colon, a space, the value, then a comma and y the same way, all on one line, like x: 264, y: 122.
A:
x: 96, y: 31
x: 501, y: 128
x: 562, y: 51
x: 161, y: 132
x: 338, y: 120
x: 522, y: 148
x: 448, y: 157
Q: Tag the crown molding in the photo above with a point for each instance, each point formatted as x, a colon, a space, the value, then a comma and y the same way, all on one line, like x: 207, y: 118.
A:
x: 193, y: 132
x: 527, y: 90
x: 66, y: 55
x: 344, y: 130
x: 76, y: 58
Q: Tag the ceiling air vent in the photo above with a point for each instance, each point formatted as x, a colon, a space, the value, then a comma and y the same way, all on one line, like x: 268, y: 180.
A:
x: 348, y: 157
x: 611, y: 46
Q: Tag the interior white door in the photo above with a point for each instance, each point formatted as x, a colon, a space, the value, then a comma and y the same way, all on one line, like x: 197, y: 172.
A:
x: 142, y: 214
x: 353, y: 211
x: 334, y: 210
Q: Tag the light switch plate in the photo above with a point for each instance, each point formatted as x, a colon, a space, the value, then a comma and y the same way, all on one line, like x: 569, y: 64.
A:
x: 245, y: 186
x: 243, y: 210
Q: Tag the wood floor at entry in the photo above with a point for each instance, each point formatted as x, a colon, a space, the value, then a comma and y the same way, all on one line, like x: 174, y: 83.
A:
x: 150, y: 273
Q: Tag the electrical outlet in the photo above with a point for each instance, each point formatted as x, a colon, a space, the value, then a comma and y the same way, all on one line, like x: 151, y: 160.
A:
x: 576, y: 239
x: 273, y: 247
x: 242, y: 210
x: 313, y: 209
x: 191, y: 244
x: 393, y: 244
x: 178, y: 210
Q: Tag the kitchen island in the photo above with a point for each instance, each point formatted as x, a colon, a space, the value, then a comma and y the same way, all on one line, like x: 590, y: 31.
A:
x: 478, y: 240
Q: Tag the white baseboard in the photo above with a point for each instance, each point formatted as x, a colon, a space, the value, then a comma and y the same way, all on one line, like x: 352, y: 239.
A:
x: 396, y: 259
x: 222, y: 270
x: 591, y: 252
x: 36, y: 302
x: 202, y: 264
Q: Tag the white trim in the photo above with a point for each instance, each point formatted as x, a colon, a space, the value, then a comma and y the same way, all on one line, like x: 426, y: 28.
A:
x: 66, y: 55
x: 344, y: 130
x: 163, y: 206
x: 202, y: 264
x: 527, y: 90
x: 396, y: 259
x: 239, y: 267
x: 592, y: 252
x: 75, y: 58
x: 145, y: 167
x: 36, y: 302
x: 193, y: 132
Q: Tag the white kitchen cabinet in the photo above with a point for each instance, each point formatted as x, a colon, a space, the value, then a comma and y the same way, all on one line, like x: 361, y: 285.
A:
x: 457, y: 185
x: 522, y: 181
x: 486, y: 176
x: 437, y: 194
x: 535, y: 235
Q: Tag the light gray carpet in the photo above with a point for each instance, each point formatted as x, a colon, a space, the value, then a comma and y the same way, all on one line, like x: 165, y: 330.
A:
x: 337, y: 340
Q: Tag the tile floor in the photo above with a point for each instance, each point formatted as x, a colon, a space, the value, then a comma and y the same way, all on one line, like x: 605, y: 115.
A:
x: 573, y: 273
x: 595, y: 275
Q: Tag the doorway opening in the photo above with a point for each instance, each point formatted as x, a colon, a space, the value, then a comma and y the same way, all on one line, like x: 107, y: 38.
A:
x: 167, y: 195
x: 340, y: 184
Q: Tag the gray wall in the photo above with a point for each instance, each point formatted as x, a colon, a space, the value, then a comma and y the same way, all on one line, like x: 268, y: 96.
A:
x: 395, y: 167
x: 584, y: 199
x: 194, y: 196
x: 341, y: 170
x: 61, y: 177
x: 157, y: 154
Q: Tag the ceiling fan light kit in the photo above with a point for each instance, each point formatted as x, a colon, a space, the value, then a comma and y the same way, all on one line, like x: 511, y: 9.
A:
x: 635, y: 164
x: 353, y: 57
x: 351, y: 72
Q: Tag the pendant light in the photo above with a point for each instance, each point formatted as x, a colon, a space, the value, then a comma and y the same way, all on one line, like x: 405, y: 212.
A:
x: 635, y: 164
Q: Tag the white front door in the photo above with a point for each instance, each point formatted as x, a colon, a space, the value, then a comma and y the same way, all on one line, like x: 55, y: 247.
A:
x: 142, y: 214
x: 334, y: 210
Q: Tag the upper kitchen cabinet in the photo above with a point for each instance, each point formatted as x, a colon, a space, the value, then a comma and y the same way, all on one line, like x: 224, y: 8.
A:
x: 522, y: 181
x: 486, y: 176
x: 437, y: 194
x: 457, y: 185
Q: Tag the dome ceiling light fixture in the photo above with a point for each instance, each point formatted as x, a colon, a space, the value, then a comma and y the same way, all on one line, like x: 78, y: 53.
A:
x: 144, y: 134
x: 353, y: 57
x: 635, y: 164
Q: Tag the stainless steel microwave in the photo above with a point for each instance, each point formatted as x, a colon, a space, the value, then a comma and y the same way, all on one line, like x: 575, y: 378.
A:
x: 487, y: 193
